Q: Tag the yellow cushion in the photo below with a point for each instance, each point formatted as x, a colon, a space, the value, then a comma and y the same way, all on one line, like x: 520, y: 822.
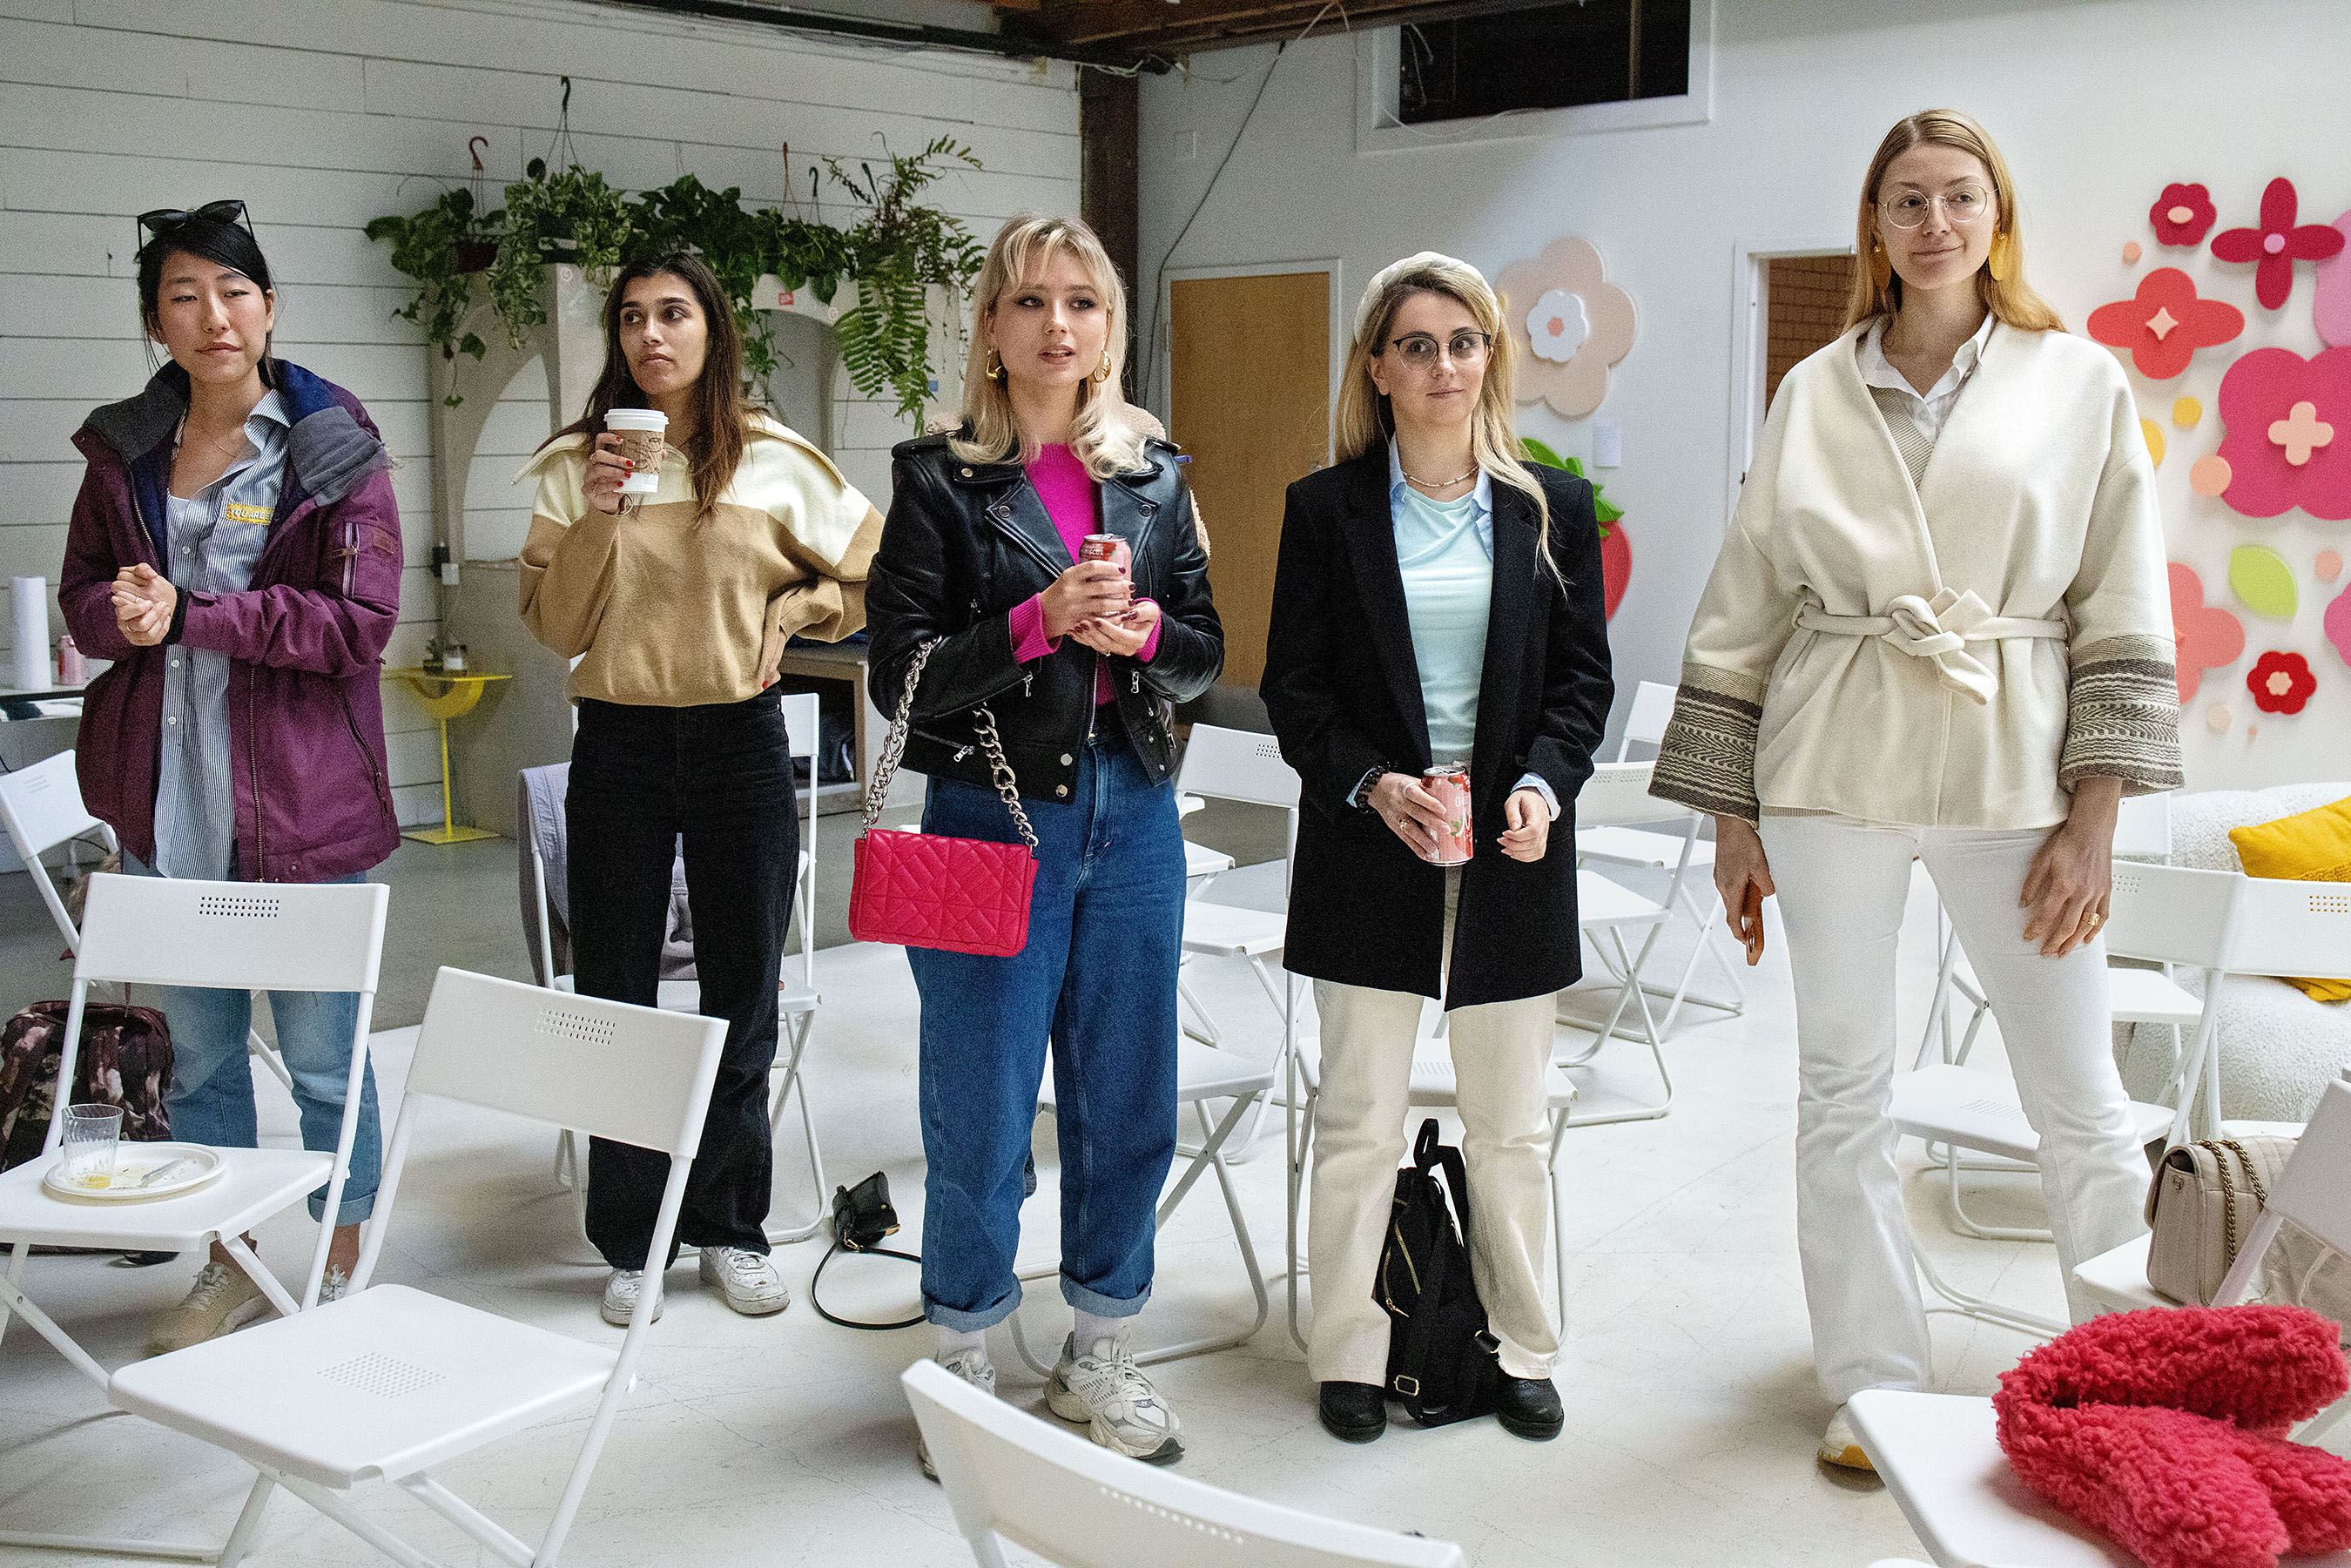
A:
x: 2313, y: 846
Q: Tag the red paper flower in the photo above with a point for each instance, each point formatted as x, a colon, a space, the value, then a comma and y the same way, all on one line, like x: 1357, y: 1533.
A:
x: 2278, y: 244
x: 2280, y: 682
x: 2164, y: 324
x: 2206, y: 636
x: 2183, y: 215
x: 2289, y: 440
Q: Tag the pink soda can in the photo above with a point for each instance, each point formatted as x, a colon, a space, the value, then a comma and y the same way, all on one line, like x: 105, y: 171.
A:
x: 1109, y: 547
x: 1450, y: 783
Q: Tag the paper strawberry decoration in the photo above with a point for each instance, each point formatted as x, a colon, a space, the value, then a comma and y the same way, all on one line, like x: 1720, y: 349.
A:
x: 1615, y: 550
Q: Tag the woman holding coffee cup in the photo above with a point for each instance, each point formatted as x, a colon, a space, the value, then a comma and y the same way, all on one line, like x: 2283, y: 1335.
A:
x: 1474, y: 583
x: 1076, y: 663
x: 680, y: 536
x: 235, y: 552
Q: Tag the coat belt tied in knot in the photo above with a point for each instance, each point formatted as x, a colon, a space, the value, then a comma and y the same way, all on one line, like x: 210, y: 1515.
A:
x: 1939, y: 629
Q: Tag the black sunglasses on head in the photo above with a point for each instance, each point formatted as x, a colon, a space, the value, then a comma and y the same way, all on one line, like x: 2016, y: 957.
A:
x: 169, y: 220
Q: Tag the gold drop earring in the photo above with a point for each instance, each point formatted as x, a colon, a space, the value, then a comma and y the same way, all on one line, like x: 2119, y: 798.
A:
x: 1881, y: 266
x: 2002, y: 261
x: 1102, y: 374
x: 994, y: 367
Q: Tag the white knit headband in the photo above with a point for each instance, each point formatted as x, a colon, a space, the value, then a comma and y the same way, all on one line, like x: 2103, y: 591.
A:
x: 1389, y: 274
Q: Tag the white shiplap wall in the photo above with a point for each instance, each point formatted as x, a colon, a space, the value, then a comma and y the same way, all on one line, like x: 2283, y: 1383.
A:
x: 322, y: 115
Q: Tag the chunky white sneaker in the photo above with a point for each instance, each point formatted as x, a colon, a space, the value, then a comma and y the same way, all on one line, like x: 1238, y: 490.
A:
x: 973, y: 1367
x: 621, y: 1293
x: 1106, y: 1390
x: 747, y: 1281
x: 223, y: 1299
x: 1840, y: 1447
x: 335, y: 1286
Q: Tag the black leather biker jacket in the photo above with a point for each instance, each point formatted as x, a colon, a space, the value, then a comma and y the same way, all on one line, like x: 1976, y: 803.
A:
x: 965, y: 545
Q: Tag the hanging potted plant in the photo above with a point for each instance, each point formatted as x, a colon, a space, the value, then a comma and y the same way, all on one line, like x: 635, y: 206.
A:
x: 443, y: 248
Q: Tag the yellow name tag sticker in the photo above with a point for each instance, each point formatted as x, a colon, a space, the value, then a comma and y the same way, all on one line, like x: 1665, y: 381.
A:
x: 238, y: 512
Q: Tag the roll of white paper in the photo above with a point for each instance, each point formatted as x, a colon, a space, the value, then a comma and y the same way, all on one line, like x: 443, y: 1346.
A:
x: 29, y: 603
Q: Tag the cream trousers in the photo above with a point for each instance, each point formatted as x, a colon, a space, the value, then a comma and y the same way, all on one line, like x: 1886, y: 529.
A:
x: 1842, y: 887
x: 1501, y: 1052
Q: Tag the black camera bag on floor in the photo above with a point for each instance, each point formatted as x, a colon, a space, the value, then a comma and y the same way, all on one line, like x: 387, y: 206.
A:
x: 1442, y: 1363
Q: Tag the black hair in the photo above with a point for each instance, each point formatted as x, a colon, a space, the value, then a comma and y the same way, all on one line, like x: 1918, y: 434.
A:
x: 229, y: 244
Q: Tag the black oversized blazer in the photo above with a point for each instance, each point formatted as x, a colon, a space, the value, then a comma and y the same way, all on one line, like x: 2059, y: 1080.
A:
x: 1342, y: 689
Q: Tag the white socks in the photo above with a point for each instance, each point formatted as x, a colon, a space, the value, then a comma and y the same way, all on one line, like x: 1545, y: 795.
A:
x: 954, y: 1343
x: 1092, y: 1330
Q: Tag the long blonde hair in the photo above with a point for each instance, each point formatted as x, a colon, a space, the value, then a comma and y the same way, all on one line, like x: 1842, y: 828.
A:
x: 1107, y: 437
x: 1364, y: 418
x: 2010, y: 298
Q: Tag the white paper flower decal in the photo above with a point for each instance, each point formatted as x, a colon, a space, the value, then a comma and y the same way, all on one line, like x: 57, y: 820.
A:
x: 1579, y: 326
x: 1556, y: 327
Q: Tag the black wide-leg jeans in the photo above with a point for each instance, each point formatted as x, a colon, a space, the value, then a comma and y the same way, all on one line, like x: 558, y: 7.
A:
x: 721, y: 776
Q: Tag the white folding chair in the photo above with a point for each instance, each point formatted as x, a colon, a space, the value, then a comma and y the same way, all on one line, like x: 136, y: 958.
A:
x: 1203, y: 1073
x: 1011, y: 1477
x: 1939, y: 1456
x: 1683, y: 853
x: 2166, y: 914
x: 1618, y: 792
x: 163, y: 931
x: 41, y: 805
x: 1243, y: 766
x: 390, y: 1381
x: 797, y: 998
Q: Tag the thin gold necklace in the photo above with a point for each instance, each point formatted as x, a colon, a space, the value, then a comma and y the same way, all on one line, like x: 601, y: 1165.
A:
x: 1438, y: 484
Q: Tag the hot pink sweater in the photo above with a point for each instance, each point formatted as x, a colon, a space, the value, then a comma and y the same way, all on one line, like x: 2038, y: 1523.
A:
x: 1072, y: 498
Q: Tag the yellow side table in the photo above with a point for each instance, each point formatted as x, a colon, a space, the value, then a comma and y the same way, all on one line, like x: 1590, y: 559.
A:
x: 444, y: 697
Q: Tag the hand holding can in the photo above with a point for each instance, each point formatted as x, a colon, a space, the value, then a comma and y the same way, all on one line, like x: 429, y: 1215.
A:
x: 1450, y: 783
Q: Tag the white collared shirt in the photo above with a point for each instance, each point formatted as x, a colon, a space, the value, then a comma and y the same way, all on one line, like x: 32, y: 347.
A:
x: 1928, y: 413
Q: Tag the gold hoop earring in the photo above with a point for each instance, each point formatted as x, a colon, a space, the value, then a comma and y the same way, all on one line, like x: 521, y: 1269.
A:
x: 993, y: 367
x: 1881, y: 266
x: 2002, y: 261
x: 1102, y: 374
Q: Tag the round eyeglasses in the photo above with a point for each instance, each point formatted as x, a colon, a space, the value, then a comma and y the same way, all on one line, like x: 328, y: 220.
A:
x: 1909, y: 209
x: 1419, y: 350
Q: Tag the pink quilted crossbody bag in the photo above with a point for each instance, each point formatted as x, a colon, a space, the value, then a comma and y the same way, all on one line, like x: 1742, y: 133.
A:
x: 926, y: 890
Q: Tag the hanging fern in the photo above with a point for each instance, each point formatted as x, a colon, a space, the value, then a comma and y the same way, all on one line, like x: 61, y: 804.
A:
x: 896, y: 252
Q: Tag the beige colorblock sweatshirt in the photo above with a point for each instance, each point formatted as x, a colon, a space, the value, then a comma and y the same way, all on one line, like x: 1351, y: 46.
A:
x: 665, y: 609
x: 1955, y: 650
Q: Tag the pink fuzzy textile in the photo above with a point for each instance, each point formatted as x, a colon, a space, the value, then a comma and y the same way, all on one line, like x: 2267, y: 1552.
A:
x: 2165, y: 1429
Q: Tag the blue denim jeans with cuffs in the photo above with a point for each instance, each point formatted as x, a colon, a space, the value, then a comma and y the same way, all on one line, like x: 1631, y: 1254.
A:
x: 1098, y: 980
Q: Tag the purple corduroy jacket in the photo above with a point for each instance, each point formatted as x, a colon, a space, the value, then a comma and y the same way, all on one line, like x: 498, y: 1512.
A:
x: 306, y: 640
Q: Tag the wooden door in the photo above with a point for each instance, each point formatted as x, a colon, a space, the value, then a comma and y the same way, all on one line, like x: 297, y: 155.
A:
x: 1249, y: 399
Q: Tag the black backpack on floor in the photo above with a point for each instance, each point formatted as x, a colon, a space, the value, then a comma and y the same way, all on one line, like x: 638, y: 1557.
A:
x: 1442, y: 1362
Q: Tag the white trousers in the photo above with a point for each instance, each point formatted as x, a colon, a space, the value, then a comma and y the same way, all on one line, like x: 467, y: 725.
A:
x: 1500, y: 1053
x: 1842, y: 887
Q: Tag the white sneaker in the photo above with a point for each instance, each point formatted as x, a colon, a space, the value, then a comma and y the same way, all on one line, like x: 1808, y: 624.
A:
x: 973, y: 1367
x: 1840, y: 1447
x: 747, y: 1281
x: 1107, y: 1391
x: 621, y: 1293
x: 335, y: 1286
x: 223, y: 1299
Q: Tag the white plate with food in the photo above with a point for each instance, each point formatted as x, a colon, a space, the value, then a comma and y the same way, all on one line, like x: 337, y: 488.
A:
x: 142, y: 1171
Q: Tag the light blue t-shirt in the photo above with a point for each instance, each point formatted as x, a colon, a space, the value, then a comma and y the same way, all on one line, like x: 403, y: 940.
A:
x: 1448, y: 587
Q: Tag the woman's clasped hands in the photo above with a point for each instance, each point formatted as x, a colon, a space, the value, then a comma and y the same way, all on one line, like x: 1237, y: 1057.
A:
x: 144, y: 600
x: 1094, y: 603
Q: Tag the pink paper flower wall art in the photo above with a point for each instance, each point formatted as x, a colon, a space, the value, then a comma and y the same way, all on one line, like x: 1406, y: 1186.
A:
x: 2165, y: 323
x: 1572, y: 323
x: 2331, y: 281
x: 2182, y: 215
x: 2289, y: 440
x: 2208, y: 636
x: 2277, y: 244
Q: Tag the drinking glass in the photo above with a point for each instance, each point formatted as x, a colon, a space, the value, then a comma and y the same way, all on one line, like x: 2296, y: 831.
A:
x: 92, y: 1136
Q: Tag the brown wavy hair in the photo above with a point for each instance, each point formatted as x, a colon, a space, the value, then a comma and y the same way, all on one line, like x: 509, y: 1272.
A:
x: 722, y: 408
x: 2011, y: 299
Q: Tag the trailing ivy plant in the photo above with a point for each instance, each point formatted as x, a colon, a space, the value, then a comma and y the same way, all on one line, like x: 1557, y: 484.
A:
x: 895, y: 252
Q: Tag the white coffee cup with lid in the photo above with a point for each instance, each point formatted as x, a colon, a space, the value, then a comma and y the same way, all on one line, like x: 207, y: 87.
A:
x: 642, y: 432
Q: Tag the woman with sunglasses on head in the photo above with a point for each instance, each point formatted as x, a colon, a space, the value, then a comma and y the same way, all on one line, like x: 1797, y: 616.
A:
x: 676, y: 606
x: 1435, y: 602
x: 1075, y: 665
x: 236, y: 551
x: 1939, y: 629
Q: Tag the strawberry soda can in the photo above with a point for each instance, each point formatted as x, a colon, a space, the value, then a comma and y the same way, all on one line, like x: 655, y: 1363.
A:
x: 1109, y: 547
x: 1450, y: 785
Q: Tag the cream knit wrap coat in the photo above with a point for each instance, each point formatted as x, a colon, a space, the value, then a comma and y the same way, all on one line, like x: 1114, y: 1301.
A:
x: 1920, y: 691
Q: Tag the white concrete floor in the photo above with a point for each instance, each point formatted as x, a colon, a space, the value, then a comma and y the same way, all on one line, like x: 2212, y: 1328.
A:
x: 1692, y: 1410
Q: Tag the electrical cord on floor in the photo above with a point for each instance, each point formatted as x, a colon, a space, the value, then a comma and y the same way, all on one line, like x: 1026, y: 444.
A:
x: 862, y: 1219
